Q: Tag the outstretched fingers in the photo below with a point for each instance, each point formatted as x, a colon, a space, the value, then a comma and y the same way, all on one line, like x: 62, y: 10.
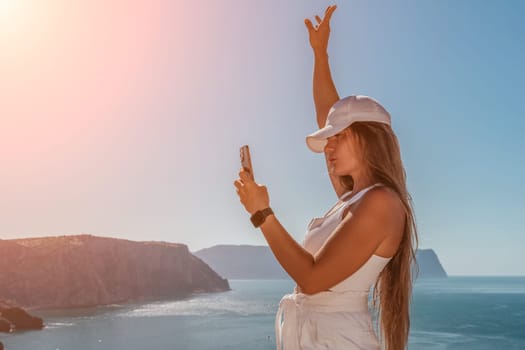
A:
x: 329, y: 11
x: 309, y: 25
x: 327, y: 16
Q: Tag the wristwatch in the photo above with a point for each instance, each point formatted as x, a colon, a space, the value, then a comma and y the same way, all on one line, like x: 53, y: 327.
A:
x: 260, y: 215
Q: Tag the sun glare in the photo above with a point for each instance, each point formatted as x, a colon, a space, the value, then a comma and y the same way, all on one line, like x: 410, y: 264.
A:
x: 8, y: 10
x: 6, y: 6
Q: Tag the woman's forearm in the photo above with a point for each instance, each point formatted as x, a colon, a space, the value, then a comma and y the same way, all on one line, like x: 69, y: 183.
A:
x: 325, y: 93
x: 294, y: 259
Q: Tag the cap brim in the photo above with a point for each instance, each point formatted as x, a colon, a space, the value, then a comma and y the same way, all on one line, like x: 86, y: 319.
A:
x: 317, y: 141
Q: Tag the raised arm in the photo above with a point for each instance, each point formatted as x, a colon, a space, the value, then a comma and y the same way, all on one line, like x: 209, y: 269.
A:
x: 324, y: 91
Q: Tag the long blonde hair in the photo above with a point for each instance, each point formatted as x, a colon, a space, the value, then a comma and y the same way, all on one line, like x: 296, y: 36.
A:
x: 393, y: 287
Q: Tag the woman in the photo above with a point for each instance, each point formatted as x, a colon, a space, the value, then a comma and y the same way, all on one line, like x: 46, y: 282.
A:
x: 364, y: 240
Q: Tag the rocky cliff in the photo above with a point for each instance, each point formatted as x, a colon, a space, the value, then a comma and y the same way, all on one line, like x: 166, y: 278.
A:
x: 85, y: 270
x: 258, y: 262
x: 243, y: 261
x: 429, y: 264
x: 13, y: 318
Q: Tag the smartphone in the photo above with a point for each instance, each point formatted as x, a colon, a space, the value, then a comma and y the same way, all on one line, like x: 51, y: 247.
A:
x: 246, y: 160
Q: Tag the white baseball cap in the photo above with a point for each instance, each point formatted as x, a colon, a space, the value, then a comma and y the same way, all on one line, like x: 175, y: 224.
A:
x: 355, y: 108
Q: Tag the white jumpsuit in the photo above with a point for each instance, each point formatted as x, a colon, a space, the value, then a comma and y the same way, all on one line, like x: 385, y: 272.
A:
x: 336, y: 319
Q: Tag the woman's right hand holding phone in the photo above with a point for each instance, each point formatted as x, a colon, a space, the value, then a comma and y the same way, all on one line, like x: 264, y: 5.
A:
x: 320, y: 33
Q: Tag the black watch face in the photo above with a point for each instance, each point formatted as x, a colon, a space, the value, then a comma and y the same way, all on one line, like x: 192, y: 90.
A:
x: 260, y: 215
x: 256, y: 218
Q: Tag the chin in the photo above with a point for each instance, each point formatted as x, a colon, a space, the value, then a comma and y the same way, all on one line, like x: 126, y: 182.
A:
x: 336, y: 173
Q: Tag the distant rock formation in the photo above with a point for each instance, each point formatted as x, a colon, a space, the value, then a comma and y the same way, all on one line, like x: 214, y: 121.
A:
x: 85, y: 270
x: 243, y: 261
x: 14, y: 318
x: 258, y: 262
x: 429, y: 265
x: 5, y: 325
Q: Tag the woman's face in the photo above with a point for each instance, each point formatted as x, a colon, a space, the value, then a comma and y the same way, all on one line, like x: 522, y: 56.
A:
x: 343, y: 153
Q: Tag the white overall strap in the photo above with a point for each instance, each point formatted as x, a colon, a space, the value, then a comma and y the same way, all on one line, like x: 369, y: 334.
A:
x: 338, y: 203
x: 361, y: 194
x: 342, y: 201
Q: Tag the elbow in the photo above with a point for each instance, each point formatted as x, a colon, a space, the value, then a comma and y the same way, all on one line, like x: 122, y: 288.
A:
x: 312, y: 289
x: 309, y: 281
x: 309, y: 288
x: 309, y: 291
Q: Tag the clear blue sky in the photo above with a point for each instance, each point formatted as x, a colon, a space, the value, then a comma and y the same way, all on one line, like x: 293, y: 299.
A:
x: 125, y: 120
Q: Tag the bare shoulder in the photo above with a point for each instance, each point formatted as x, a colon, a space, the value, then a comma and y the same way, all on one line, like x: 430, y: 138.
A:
x: 384, y: 204
x: 385, y: 197
x: 387, y: 205
x: 380, y: 198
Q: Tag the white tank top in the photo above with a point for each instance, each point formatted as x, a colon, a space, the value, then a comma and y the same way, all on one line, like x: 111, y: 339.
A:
x: 319, y: 229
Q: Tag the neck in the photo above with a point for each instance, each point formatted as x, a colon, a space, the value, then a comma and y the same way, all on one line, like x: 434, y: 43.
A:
x: 358, y: 186
x: 360, y: 183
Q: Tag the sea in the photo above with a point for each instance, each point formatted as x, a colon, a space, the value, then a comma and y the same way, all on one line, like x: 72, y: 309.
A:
x: 458, y: 312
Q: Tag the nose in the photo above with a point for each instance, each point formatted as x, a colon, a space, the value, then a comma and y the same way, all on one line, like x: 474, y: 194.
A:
x: 330, y: 144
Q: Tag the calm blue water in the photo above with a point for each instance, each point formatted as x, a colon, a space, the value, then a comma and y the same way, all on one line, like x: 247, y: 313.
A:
x: 456, y: 313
